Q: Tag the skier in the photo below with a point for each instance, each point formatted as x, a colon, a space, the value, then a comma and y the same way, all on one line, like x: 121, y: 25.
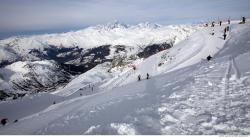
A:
x: 227, y: 28
x: 220, y: 23
x: 212, y: 24
x: 4, y: 121
x: 139, y: 77
x: 212, y: 32
x: 209, y: 58
x: 243, y: 20
x: 16, y: 121
x: 228, y: 21
x: 147, y: 76
x: 92, y: 88
x: 225, y: 36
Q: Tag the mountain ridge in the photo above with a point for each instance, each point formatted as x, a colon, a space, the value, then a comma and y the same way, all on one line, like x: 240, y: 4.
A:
x: 80, y: 51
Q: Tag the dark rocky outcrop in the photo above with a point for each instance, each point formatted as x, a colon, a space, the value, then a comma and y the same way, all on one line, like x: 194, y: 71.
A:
x: 153, y: 49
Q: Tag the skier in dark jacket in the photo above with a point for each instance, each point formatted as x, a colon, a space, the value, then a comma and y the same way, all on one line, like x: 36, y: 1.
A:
x: 220, y: 23
x: 209, y: 58
x: 4, y: 121
x: 243, y: 20
x: 225, y: 30
x: 147, y: 76
x: 225, y: 36
x: 212, y: 24
x: 139, y: 77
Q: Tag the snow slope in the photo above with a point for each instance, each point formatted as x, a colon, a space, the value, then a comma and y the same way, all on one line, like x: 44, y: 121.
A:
x: 185, y: 95
x: 85, y: 80
x: 188, y: 52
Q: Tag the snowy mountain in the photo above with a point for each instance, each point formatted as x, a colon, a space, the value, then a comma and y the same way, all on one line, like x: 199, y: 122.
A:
x: 80, y: 51
x: 185, y: 93
x: 32, y: 77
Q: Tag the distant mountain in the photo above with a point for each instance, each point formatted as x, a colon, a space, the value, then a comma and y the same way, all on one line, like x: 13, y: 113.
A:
x: 112, y: 25
x: 76, y: 52
x: 32, y: 77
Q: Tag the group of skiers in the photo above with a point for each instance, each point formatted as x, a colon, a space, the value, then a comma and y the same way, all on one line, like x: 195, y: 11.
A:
x: 4, y: 121
x: 139, y: 77
x: 226, y: 29
x: 89, y: 86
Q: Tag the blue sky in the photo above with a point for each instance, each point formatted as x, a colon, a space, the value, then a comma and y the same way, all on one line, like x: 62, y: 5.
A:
x: 38, y: 15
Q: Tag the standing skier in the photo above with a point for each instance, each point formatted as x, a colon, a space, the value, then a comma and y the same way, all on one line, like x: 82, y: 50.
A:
x: 147, y: 76
x: 220, y: 23
x: 243, y: 20
x: 212, y: 24
x: 225, y: 36
x: 139, y: 77
x: 228, y: 21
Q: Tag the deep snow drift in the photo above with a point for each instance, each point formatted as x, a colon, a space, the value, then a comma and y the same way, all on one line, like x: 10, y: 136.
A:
x: 185, y: 94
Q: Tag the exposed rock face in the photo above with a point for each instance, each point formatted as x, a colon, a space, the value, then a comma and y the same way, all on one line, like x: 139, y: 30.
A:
x: 153, y: 49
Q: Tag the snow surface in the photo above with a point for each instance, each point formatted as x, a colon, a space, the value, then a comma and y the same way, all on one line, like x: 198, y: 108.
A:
x: 84, y: 81
x: 185, y: 95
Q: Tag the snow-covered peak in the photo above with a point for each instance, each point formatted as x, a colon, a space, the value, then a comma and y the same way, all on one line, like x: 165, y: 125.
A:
x: 112, y: 25
x: 147, y: 25
x: 115, y: 33
x: 119, y: 25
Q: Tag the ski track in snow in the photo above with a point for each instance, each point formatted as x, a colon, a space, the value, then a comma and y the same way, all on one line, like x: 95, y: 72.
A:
x: 199, y: 98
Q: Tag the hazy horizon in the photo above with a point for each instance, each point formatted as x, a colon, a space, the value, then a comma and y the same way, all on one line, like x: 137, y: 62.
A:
x: 24, y: 17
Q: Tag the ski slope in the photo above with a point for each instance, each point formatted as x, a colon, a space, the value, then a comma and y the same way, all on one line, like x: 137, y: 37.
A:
x: 184, y: 95
x: 188, y: 52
